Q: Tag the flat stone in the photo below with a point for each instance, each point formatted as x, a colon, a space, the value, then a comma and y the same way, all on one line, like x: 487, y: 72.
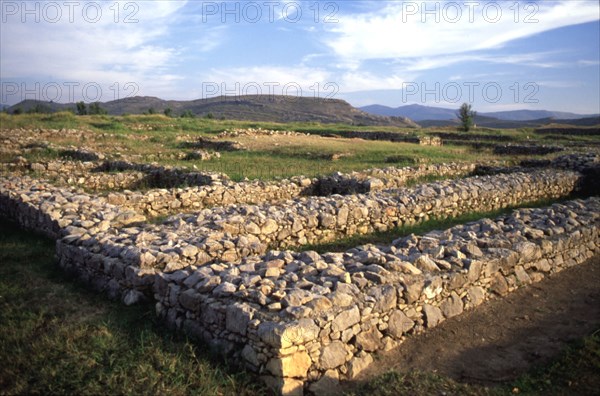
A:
x: 225, y: 289
x: 297, y: 297
x: 476, y: 295
x: 284, y: 386
x: 425, y: 263
x: 499, y: 285
x: 358, y: 364
x: 333, y: 355
x: 237, y: 318
x: 433, y: 315
x: 327, y: 385
x: 346, y: 319
x: 385, y: 297
x: 521, y: 275
x: 341, y: 300
x: 369, y: 340
x: 451, y: 306
x: 294, y: 365
x: 399, y: 323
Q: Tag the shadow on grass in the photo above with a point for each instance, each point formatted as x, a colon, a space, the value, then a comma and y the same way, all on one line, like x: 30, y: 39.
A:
x: 58, y: 337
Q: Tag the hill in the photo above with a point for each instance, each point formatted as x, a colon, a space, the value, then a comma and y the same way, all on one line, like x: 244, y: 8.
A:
x: 267, y: 108
x: 420, y: 113
x: 491, y: 122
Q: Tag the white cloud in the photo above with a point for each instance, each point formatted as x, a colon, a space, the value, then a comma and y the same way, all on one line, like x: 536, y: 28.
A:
x: 397, y: 31
x: 536, y: 59
x: 277, y: 80
x: 364, y: 81
x: 85, y: 45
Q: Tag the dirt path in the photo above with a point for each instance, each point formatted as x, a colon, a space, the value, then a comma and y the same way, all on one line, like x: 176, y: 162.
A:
x: 501, y: 339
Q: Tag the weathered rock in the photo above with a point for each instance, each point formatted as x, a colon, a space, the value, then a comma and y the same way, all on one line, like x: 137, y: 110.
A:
x: 295, y: 365
x: 333, y: 355
x: 346, y: 319
x: 399, y: 323
x: 369, y: 340
x: 452, y: 306
x: 433, y: 315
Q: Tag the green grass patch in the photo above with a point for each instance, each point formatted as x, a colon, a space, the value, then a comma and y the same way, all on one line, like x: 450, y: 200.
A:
x: 57, y: 337
x: 144, y: 137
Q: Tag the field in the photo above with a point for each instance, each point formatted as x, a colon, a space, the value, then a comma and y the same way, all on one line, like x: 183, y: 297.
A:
x: 140, y: 138
x: 283, y: 202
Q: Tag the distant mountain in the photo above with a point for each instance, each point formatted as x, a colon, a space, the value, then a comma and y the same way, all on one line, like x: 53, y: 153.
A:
x: 271, y: 108
x: 490, y: 122
x: 528, y: 115
x: 430, y: 113
x: 414, y: 112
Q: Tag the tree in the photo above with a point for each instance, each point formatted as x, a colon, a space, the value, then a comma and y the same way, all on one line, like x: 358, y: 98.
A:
x: 168, y: 112
x: 151, y: 110
x: 187, y: 114
x: 466, y: 116
x: 95, y: 108
x: 81, y: 108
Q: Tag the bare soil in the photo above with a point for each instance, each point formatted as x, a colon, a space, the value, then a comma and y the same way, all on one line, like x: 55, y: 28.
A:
x: 504, y: 337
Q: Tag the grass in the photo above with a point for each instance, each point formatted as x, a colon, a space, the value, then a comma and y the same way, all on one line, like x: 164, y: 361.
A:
x: 142, y: 137
x: 434, y: 223
x: 57, y: 337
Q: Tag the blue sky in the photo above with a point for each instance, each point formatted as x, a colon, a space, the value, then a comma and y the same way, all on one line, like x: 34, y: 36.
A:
x: 496, y: 55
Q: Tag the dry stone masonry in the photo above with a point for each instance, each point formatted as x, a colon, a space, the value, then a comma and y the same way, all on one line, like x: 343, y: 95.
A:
x: 301, y: 320
x: 304, y: 320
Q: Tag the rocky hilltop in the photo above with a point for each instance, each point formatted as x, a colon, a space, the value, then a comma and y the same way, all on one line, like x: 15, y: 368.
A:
x: 267, y: 108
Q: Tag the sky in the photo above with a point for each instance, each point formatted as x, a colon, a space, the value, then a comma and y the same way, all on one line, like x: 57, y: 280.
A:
x: 496, y: 55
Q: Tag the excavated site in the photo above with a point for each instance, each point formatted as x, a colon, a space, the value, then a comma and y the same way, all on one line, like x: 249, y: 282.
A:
x: 223, y: 260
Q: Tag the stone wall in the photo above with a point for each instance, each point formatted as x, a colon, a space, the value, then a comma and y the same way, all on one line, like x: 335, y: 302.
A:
x: 227, y: 236
x: 213, y: 189
x: 590, y: 131
x: 530, y: 149
x: 305, y: 321
x: 55, y: 211
x: 161, y: 202
x: 387, y: 136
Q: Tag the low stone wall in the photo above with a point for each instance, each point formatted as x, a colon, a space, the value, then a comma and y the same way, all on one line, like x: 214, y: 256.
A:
x: 161, y: 202
x: 163, y: 176
x: 387, y: 136
x: 118, y: 174
x: 54, y: 211
x: 590, y: 131
x: 469, y: 136
x: 229, y: 234
x: 305, y: 321
x: 514, y: 149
